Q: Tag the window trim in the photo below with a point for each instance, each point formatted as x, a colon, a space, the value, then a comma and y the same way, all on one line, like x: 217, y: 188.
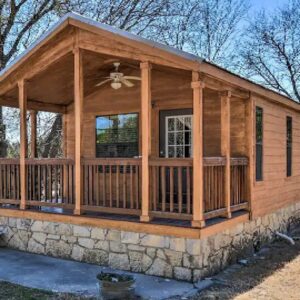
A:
x: 118, y: 114
x: 262, y: 144
x: 289, y: 169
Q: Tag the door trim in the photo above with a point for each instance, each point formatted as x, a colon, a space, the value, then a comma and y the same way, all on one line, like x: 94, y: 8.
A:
x: 162, y: 125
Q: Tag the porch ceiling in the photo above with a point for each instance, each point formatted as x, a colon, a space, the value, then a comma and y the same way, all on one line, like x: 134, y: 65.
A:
x: 53, y: 88
x: 55, y: 85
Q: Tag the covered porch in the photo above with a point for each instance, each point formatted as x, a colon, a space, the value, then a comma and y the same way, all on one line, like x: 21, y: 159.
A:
x: 193, y: 139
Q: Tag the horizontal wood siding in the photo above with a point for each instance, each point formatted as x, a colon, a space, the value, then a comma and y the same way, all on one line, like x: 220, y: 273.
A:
x: 276, y: 190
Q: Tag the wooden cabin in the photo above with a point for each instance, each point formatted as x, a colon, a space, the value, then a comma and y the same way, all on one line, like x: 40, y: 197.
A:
x: 182, y: 146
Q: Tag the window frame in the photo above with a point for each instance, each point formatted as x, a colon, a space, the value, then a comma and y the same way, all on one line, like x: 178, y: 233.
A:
x: 261, y: 144
x: 137, y: 128
x: 289, y: 146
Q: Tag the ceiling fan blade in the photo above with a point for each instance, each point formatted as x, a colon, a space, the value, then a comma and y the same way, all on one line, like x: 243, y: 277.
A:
x: 127, y: 82
x: 132, y: 77
x: 103, y: 82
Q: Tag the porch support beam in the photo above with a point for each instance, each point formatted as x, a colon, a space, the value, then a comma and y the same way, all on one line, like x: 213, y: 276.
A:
x: 198, y: 203
x: 146, y: 137
x: 250, y: 109
x: 33, y: 152
x: 78, y: 105
x: 23, y: 140
x: 225, y: 145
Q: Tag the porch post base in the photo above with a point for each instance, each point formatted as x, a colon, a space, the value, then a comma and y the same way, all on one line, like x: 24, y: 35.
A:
x: 198, y: 223
x: 228, y: 215
x: 145, y: 218
x: 77, y: 212
x: 22, y: 206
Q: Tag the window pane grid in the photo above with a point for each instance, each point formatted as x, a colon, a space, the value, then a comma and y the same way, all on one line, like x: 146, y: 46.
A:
x: 117, y: 135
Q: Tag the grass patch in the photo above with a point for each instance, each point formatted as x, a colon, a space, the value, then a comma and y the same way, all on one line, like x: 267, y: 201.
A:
x: 10, y: 291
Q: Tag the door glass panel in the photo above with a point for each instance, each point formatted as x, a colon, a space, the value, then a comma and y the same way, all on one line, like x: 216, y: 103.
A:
x: 179, y: 136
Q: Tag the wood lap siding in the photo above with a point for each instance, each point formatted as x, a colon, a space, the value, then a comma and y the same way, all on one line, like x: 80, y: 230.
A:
x: 276, y: 190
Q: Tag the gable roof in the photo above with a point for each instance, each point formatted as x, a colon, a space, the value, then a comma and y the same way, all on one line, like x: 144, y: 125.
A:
x: 75, y: 19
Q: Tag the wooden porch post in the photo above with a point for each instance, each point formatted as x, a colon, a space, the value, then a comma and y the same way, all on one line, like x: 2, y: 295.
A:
x: 23, y: 140
x: 78, y: 104
x: 225, y: 145
x: 250, y: 109
x: 146, y: 137
x: 33, y: 152
x: 198, y: 204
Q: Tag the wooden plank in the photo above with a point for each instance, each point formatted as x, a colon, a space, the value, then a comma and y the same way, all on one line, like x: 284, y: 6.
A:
x: 23, y: 139
x: 198, y: 209
x: 78, y: 106
x: 146, y: 137
x: 33, y: 150
x: 225, y: 146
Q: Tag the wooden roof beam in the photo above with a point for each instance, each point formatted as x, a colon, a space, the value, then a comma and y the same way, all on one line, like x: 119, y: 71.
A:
x: 34, y: 105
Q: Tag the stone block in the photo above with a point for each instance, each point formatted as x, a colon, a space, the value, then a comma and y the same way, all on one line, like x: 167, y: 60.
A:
x: 81, y: 231
x: 135, y: 259
x: 102, y: 245
x: 182, y: 273
x: 136, y: 248
x: 130, y: 237
x: 35, y: 247
x: 174, y: 257
x: 39, y: 237
x: 86, y: 242
x: 177, y: 244
x: 119, y: 261
x: 160, y: 268
x: 98, y: 233
x: 114, y: 235
x: 117, y: 247
x: 193, y: 246
x: 146, y: 262
x: 95, y: 256
x: 58, y: 248
x: 77, y: 253
x: 157, y: 241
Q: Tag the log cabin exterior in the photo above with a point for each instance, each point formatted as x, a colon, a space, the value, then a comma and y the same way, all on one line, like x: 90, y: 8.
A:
x: 207, y: 150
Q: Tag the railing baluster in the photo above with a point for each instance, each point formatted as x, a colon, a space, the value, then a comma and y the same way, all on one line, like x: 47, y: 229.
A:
x: 171, y: 189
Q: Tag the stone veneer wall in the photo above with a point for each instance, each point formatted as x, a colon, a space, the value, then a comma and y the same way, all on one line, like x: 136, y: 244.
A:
x: 180, y: 258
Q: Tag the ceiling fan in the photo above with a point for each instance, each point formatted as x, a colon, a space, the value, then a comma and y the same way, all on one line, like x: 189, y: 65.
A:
x: 117, y: 78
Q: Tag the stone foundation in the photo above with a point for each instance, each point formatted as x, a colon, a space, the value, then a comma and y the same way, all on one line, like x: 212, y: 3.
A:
x: 180, y: 258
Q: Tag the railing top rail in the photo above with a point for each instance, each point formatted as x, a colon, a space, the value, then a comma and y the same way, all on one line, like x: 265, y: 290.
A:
x: 9, y: 161
x: 207, y: 161
x: 112, y: 161
x: 170, y: 162
x: 49, y: 161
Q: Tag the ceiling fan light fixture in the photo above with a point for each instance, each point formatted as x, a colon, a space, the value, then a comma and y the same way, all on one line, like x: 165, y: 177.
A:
x: 116, y: 85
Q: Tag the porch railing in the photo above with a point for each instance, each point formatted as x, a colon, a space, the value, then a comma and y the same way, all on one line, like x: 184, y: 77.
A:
x: 171, y: 187
x: 50, y: 182
x: 114, y: 185
x: 10, y: 181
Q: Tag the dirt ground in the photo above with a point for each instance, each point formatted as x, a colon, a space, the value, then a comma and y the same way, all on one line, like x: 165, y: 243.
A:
x: 274, y: 273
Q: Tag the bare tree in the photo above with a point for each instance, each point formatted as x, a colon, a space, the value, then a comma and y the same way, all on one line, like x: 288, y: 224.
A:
x: 271, y: 51
x: 207, y: 28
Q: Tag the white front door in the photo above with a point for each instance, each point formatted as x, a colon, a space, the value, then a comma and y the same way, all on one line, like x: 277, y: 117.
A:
x: 178, y: 136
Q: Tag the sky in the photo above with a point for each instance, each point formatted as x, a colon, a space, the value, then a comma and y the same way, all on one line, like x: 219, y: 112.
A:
x: 266, y: 4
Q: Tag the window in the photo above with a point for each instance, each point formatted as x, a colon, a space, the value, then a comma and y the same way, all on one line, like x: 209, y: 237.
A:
x: 117, y: 135
x: 259, y: 144
x: 289, y: 140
